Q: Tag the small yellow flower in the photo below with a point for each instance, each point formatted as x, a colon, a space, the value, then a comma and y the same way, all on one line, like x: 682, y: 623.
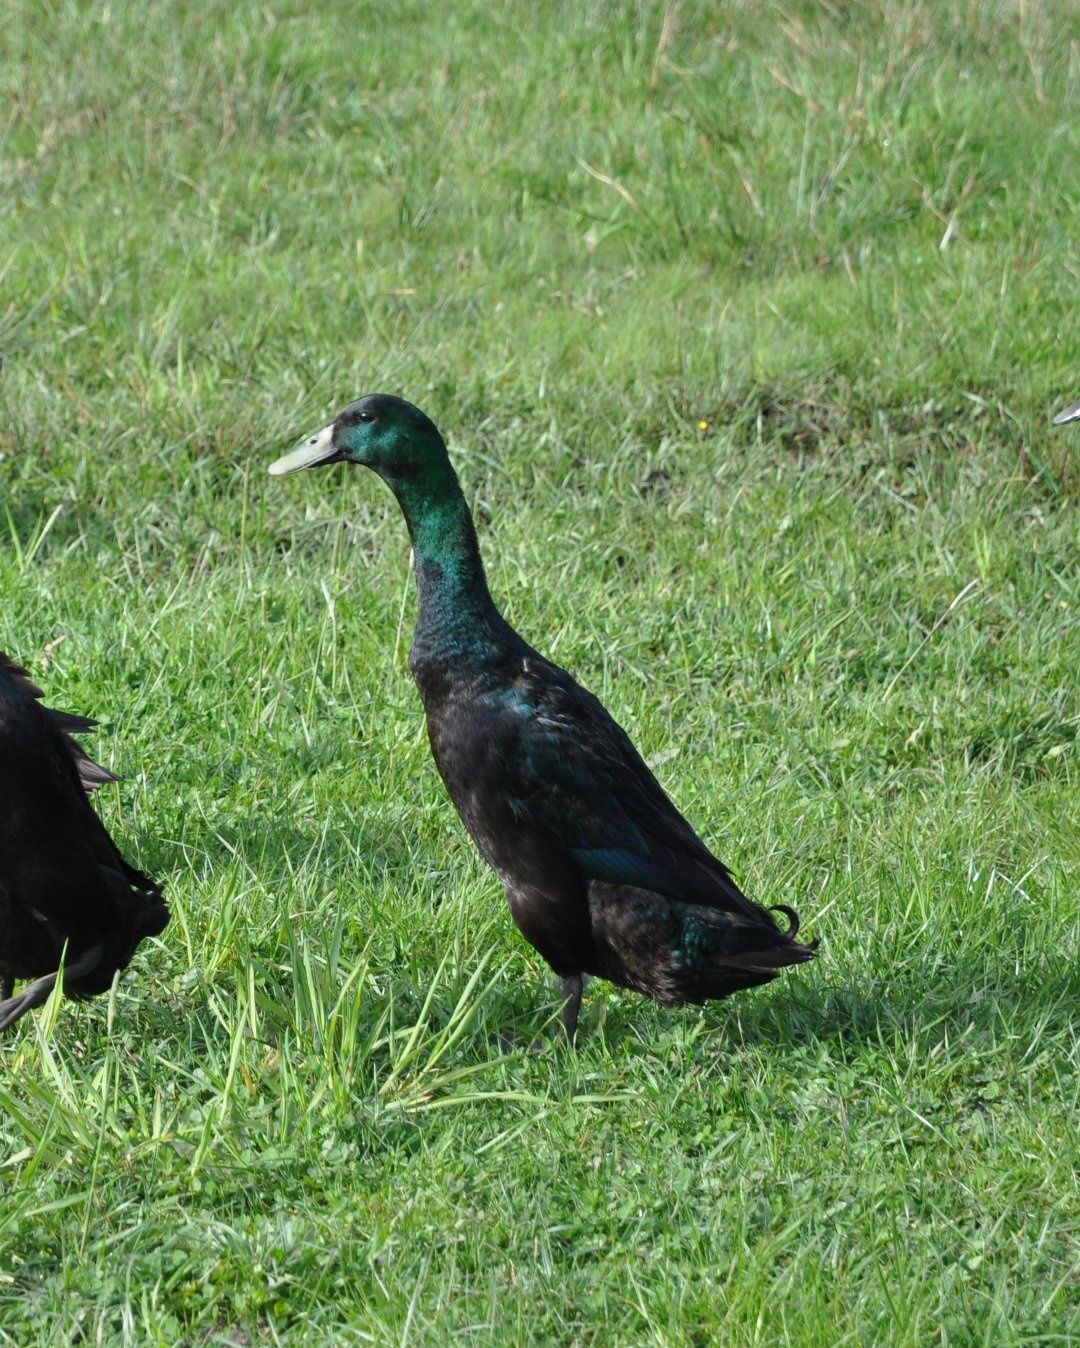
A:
x: 703, y: 425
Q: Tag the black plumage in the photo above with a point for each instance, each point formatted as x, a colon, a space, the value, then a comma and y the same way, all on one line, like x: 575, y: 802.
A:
x: 66, y: 893
x: 603, y: 875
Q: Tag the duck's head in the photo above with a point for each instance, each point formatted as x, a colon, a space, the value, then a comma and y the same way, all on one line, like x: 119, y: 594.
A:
x: 381, y: 432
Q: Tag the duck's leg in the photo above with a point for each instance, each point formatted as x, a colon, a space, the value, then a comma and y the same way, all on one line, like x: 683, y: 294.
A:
x: 570, y: 988
x: 11, y: 1008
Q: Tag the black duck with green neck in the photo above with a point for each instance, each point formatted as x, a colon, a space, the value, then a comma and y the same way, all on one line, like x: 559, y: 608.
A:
x: 602, y: 873
x: 63, y: 883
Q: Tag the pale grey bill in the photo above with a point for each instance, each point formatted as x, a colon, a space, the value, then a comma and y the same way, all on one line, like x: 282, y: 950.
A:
x: 320, y: 446
x: 1071, y: 413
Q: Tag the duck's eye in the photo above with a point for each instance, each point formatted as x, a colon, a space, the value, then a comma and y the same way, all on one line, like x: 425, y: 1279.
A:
x: 365, y: 416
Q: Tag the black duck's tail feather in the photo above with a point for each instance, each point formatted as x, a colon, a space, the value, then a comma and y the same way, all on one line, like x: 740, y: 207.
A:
x: 743, y: 955
x: 768, y: 947
x: 688, y: 952
x: 793, y: 919
x: 768, y: 961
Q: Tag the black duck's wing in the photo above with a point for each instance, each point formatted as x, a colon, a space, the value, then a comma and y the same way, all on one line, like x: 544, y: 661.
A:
x: 133, y: 890
x: 576, y: 773
x: 91, y: 774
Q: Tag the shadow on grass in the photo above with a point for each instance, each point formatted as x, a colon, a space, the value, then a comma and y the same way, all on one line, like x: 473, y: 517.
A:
x: 966, y: 998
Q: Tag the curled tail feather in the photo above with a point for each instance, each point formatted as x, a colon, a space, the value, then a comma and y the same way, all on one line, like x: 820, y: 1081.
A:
x: 744, y: 955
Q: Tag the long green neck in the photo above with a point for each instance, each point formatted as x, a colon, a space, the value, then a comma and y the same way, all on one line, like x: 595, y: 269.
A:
x: 456, y: 613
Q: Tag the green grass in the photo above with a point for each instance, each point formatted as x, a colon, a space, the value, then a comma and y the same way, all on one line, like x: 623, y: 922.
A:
x: 745, y: 323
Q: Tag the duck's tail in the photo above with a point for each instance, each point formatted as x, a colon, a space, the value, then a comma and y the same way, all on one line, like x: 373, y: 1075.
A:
x: 687, y: 952
x: 729, y: 952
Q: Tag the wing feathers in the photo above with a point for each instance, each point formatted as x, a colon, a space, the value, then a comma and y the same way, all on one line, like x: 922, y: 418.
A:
x: 91, y: 774
x: 582, y: 778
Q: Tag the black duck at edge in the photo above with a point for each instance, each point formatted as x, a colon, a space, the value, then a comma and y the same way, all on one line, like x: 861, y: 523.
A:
x: 64, y: 887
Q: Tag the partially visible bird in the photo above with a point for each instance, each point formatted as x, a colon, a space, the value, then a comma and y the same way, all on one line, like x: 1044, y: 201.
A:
x: 66, y: 893
x: 1071, y: 413
x: 603, y: 874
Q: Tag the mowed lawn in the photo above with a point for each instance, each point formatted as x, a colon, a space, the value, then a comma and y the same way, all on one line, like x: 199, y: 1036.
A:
x: 745, y: 323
